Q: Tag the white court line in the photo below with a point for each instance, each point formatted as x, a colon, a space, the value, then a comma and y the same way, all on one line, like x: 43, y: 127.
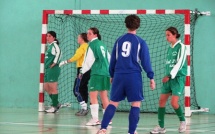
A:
x: 81, y: 126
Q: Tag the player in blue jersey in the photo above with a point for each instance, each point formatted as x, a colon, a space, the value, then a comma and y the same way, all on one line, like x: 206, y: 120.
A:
x: 129, y: 51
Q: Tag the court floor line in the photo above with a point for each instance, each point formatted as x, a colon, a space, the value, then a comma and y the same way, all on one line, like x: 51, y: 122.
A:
x: 83, y: 126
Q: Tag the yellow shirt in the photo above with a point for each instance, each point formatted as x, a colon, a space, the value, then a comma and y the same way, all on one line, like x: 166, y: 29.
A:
x: 79, y: 55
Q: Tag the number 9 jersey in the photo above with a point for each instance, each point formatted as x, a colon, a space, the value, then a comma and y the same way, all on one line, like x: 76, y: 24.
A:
x: 128, y: 53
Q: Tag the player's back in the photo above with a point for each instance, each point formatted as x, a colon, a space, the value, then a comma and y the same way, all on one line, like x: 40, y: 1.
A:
x: 128, y: 53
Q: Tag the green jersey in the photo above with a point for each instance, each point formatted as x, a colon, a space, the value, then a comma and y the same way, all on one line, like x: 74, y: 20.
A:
x: 52, y: 54
x: 97, y: 58
x: 176, y: 64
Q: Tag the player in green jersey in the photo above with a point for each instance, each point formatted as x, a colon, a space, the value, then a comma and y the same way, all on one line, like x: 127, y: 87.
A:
x: 173, y: 81
x: 52, y: 70
x: 97, y: 59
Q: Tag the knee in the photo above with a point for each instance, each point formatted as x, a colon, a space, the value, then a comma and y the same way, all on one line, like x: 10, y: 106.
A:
x: 162, y: 102
x: 174, y: 104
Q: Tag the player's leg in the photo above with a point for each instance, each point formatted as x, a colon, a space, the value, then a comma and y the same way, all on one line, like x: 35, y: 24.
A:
x: 134, y: 93
x: 94, y: 109
x: 165, y: 93
x: 83, y: 90
x: 53, y: 78
x: 108, y: 115
x: 178, y: 88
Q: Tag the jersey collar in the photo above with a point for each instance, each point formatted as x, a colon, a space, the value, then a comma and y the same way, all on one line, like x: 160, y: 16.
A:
x: 179, y: 41
x: 94, y: 39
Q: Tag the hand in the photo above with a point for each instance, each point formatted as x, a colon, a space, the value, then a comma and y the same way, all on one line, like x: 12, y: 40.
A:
x: 111, y: 80
x: 165, y: 79
x: 52, y: 65
x: 152, y: 84
x: 63, y: 63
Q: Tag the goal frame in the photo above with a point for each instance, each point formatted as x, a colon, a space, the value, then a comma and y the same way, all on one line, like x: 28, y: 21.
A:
x: 185, y: 12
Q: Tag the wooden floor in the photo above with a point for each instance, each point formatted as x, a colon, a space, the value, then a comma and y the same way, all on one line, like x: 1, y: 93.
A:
x: 29, y: 121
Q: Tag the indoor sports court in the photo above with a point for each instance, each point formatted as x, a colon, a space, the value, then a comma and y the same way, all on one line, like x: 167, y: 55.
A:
x: 25, y: 102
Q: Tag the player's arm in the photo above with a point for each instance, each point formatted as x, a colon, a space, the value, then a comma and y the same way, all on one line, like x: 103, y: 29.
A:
x: 88, y: 61
x: 113, y: 60
x: 145, y: 60
x: 146, y: 63
x: 79, y: 52
x: 181, y: 58
x: 56, y: 51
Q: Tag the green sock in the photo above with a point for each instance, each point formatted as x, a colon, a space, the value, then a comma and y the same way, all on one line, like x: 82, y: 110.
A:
x: 161, y: 113
x: 50, y: 95
x: 180, y: 113
x: 55, y: 100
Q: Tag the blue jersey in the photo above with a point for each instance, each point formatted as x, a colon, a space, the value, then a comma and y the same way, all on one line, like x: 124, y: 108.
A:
x: 129, y: 51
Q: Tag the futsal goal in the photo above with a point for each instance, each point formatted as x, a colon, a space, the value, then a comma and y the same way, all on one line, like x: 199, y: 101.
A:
x: 68, y: 24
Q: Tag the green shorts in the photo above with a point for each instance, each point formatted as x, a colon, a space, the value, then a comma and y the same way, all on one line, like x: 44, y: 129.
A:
x: 174, y: 86
x: 52, y: 74
x: 99, y: 83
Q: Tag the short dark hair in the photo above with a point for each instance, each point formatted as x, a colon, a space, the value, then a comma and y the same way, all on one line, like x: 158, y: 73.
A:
x: 174, y: 31
x: 132, y: 22
x: 84, y: 37
x: 96, y: 31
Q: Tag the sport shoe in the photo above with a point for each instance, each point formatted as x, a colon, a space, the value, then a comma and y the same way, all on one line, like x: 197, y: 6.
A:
x: 102, y: 131
x: 158, y: 130
x: 51, y: 110
x: 58, y: 107
x: 93, y: 122
x: 182, y: 127
x: 134, y: 132
x: 82, y: 112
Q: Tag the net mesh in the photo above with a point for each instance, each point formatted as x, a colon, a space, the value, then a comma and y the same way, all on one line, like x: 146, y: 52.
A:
x: 152, y: 30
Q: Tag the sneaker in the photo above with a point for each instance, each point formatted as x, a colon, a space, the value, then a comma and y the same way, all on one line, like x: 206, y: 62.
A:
x: 182, y: 127
x: 158, y: 130
x: 102, y: 131
x: 82, y: 112
x: 51, y: 110
x: 93, y: 122
x: 58, y: 107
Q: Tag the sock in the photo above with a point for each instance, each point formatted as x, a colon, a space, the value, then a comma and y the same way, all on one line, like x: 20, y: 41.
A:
x: 83, y: 105
x: 94, y: 108
x: 50, y: 95
x: 161, y: 113
x: 180, y: 114
x: 108, y: 115
x: 55, y: 100
x: 133, y: 119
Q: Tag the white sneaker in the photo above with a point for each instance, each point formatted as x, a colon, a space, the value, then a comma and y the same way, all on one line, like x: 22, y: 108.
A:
x: 102, y: 131
x: 182, y: 127
x: 51, y: 110
x: 158, y: 130
x: 134, y: 132
x: 93, y: 122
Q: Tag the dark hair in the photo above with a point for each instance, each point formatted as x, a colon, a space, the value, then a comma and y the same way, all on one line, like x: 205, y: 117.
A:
x: 174, y: 31
x: 96, y: 31
x: 52, y: 33
x: 132, y: 22
x: 84, y: 37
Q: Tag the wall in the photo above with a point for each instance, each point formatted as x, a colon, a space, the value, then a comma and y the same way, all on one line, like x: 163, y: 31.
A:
x: 20, y: 35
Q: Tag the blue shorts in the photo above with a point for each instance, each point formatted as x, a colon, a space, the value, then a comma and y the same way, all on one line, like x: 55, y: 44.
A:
x: 127, y: 85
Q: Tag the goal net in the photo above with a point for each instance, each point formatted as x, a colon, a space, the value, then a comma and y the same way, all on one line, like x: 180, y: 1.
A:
x: 111, y: 26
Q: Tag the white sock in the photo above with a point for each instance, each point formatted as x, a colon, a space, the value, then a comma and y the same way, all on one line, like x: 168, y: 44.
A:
x: 103, y: 110
x: 94, y: 108
x: 83, y: 105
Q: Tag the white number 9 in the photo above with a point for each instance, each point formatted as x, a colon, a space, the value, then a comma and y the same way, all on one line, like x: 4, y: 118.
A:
x: 126, y: 49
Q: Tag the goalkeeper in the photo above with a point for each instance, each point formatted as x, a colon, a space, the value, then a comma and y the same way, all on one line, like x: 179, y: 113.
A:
x: 80, y: 92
